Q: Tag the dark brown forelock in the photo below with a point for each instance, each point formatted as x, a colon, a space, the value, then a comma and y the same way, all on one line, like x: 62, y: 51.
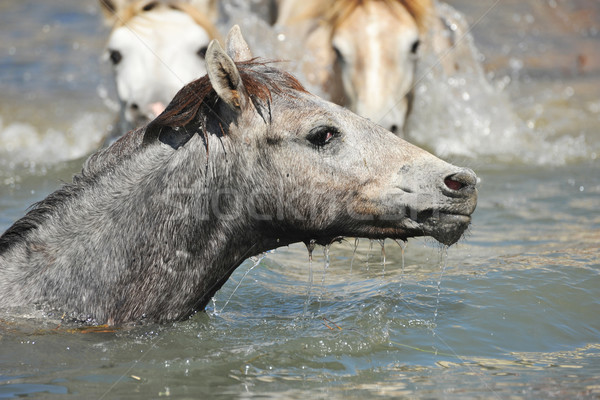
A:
x: 260, y: 81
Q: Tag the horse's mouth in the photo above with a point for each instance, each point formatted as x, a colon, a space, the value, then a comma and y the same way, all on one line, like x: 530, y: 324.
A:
x: 447, y: 227
x: 444, y: 226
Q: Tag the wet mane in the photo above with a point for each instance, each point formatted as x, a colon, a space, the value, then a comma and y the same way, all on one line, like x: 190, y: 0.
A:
x: 138, y: 8
x: 259, y: 79
x: 335, y: 14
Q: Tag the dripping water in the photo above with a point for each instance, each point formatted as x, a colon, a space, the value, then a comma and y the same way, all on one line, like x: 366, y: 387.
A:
x: 402, y: 245
x: 382, y: 243
x: 443, y: 263
x: 325, y: 268
x: 310, y: 247
x: 256, y: 260
x: 369, y: 253
x: 356, y: 242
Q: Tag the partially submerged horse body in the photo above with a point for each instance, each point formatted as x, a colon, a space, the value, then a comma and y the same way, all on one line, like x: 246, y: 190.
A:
x: 155, y: 47
x: 243, y: 160
x: 362, y: 52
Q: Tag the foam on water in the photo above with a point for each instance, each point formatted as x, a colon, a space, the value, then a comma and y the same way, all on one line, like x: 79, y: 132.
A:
x: 22, y: 142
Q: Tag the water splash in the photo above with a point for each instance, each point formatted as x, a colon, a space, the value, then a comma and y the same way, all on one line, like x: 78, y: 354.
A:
x: 472, y: 117
x: 22, y: 142
x: 476, y: 118
x: 256, y: 260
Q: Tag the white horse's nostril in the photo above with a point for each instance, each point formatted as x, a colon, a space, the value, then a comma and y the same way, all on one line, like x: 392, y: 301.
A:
x: 157, y: 108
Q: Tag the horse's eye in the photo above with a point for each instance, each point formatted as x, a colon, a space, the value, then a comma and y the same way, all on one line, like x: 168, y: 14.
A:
x: 338, y: 54
x: 115, y: 56
x: 415, y: 46
x: 322, y: 135
x: 150, y: 6
x: 202, y: 51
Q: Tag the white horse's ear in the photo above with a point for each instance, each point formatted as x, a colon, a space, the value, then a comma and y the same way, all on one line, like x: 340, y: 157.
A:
x: 207, y: 7
x: 224, y: 76
x: 237, y: 48
x: 111, y: 8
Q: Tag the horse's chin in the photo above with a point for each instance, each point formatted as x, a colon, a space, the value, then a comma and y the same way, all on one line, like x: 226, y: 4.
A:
x: 446, y: 228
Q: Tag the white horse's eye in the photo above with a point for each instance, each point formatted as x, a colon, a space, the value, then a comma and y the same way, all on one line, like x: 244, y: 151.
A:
x: 338, y: 54
x: 115, y: 56
x: 415, y: 46
x: 202, y: 51
x: 150, y: 6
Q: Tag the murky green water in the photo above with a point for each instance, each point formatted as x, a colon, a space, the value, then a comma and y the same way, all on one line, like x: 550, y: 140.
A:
x: 509, y: 312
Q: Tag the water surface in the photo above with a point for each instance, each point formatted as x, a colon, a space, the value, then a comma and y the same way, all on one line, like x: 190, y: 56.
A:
x: 511, y: 311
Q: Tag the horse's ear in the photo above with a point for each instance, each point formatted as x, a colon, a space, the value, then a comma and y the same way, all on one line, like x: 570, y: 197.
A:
x: 206, y: 7
x: 237, y: 48
x: 111, y: 8
x: 224, y: 76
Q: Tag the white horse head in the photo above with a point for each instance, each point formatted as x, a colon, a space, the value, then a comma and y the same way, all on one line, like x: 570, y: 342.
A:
x: 155, y: 49
x: 365, y: 52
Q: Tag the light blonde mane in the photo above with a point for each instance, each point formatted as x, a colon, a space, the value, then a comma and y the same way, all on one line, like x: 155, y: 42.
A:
x: 124, y: 16
x: 333, y: 15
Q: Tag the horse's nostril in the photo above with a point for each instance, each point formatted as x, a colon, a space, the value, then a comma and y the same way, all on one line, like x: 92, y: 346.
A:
x: 452, y: 184
x: 134, y: 106
x: 457, y: 181
x: 394, y: 129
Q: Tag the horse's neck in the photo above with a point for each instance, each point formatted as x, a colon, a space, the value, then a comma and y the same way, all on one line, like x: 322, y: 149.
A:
x: 168, y: 196
x: 145, y: 222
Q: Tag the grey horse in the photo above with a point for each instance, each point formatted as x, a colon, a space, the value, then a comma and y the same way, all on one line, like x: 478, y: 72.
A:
x: 243, y: 160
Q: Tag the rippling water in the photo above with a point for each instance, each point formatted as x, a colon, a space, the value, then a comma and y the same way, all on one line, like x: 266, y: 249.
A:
x: 509, y: 312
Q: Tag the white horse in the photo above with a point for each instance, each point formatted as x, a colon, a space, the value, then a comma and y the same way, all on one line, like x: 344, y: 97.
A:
x: 155, y: 47
x: 362, y: 52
